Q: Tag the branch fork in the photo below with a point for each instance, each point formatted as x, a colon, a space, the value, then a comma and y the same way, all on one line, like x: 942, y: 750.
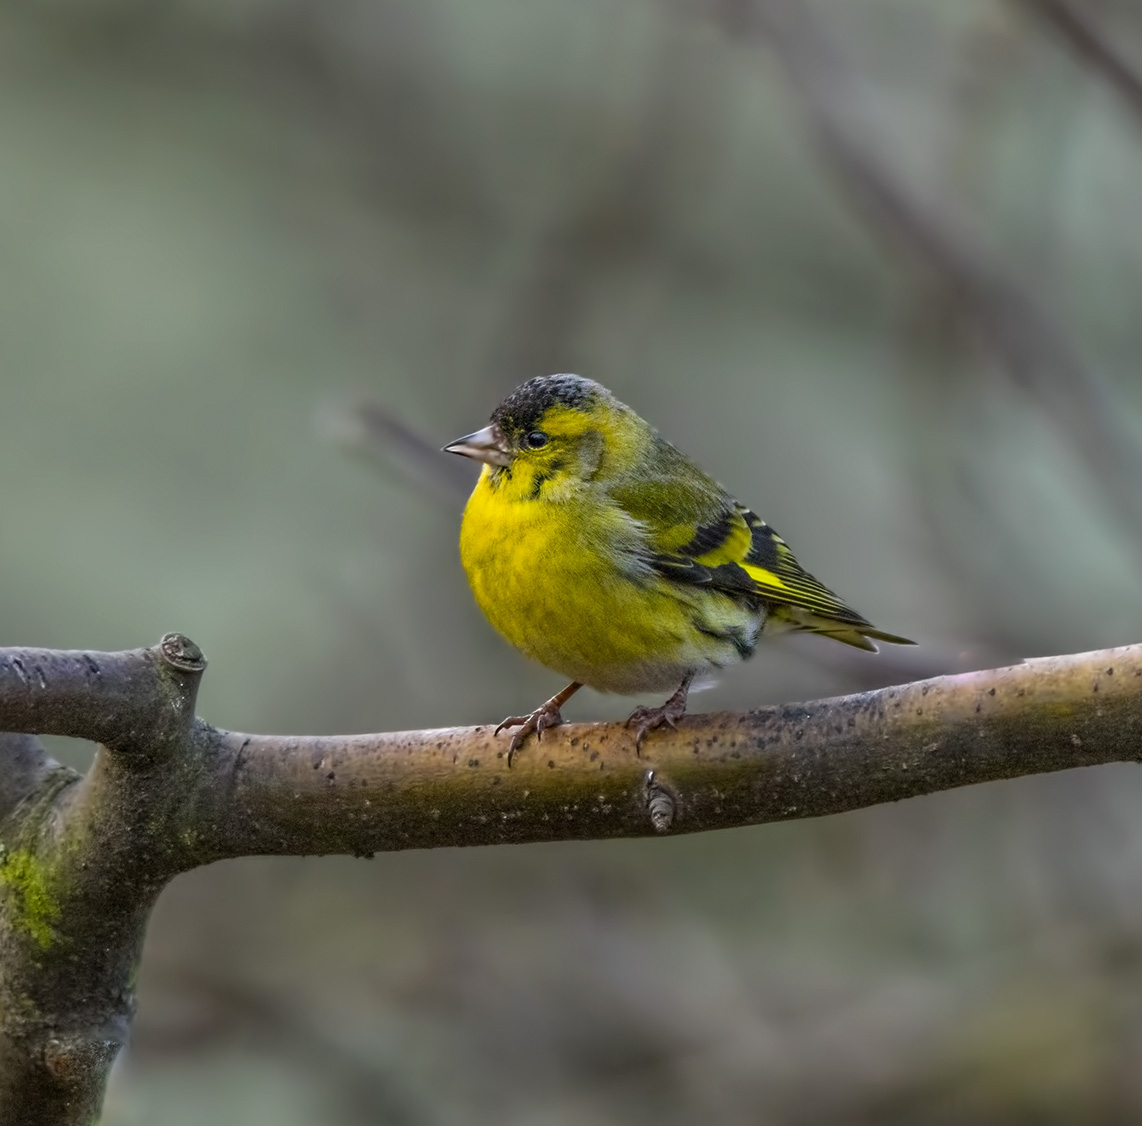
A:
x: 83, y: 859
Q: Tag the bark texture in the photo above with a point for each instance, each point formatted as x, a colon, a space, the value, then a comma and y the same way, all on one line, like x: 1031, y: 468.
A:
x: 82, y: 859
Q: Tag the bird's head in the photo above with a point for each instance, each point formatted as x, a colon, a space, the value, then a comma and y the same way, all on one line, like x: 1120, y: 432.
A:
x: 549, y: 433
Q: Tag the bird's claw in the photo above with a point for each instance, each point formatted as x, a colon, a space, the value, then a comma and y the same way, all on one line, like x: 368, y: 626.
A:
x: 538, y: 721
x: 647, y: 719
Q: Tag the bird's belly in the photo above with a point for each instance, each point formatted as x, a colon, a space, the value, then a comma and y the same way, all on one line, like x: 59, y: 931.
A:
x: 590, y: 614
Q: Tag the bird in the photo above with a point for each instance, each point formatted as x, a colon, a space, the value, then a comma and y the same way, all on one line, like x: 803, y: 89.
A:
x: 606, y: 554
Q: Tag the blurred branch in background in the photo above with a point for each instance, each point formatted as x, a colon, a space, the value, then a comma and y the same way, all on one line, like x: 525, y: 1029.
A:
x: 1037, y: 356
x: 937, y: 377
x: 392, y: 446
x: 1079, y: 29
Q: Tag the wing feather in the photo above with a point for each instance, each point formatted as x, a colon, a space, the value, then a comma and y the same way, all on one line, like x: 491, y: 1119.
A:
x: 699, y: 535
x: 740, y: 554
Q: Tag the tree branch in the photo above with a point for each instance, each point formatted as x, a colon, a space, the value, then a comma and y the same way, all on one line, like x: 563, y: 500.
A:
x: 1037, y: 357
x: 83, y: 859
x: 1092, y: 45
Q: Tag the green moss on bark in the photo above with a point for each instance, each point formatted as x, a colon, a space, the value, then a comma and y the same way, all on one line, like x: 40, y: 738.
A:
x: 24, y: 881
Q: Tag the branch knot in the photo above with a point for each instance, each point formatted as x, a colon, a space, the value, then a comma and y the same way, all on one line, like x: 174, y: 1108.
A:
x: 181, y: 653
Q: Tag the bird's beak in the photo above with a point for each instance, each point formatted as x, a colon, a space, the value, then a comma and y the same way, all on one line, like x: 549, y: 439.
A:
x: 485, y: 445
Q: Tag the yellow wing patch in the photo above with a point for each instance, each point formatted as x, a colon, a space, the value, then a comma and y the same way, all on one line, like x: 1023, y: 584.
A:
x: 764, y: 578
x: 733, y: 537
x: 740, y: 554
x: 779, y: 576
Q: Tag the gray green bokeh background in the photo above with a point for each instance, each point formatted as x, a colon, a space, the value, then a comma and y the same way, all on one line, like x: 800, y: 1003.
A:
x: 222, y: 225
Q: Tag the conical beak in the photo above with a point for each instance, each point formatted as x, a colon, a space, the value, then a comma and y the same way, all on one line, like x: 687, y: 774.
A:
x: 486, y: 445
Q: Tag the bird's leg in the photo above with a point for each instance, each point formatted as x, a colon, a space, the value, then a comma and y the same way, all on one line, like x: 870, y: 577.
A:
x: 545, y: 716
x: 669, y: 713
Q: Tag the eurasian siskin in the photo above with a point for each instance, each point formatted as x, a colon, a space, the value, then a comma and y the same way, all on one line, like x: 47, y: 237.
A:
x: 599, y: 549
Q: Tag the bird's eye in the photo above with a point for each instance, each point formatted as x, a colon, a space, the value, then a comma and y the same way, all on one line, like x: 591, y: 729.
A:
x: 535, y: 439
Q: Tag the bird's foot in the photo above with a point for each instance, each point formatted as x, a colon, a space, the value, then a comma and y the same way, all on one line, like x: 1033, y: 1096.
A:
x: 668, y: 714
x: 545, y: 716
x: 648, y: 719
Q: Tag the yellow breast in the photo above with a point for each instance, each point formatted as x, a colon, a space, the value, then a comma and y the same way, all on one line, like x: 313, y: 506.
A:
x: 563, y: 582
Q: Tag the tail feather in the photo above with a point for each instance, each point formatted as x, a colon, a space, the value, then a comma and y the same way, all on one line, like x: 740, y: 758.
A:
x: 859, y: 636
x: 890, y: 638
x: 847, y: 637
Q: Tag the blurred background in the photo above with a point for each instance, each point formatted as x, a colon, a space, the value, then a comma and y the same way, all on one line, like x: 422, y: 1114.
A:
x: 874, y: 264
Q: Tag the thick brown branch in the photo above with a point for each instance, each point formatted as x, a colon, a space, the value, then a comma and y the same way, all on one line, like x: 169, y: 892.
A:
x: 109, y: 698
x: 421, y: 789
x: 82, y: 860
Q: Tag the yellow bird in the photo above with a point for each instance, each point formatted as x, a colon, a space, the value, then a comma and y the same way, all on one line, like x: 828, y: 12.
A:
x: 606, y: 554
